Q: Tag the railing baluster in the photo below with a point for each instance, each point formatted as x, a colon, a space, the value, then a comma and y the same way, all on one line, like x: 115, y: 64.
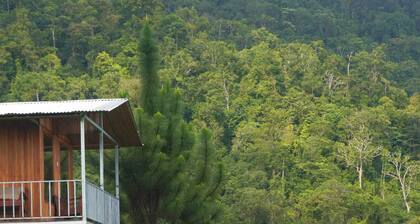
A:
x: 4, y: 202
x: 41, y: 199
x: 13, y: 200
x: 68, y: 198
x: 49, y: 198
x: 32, y: 201
x: 59, y: 198
x: 22, y: 199
x: 75, y: 198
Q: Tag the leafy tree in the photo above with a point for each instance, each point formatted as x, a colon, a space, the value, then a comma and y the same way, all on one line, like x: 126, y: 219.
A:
x: 334, y: 202
x: 405, y: 172
x: 32, y: 86
x: 110, y: 77
x: 362, y: 146
x: 44, y: 84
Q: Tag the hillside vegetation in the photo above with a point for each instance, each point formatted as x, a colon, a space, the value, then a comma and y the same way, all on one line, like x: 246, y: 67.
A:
x: 314, y: 105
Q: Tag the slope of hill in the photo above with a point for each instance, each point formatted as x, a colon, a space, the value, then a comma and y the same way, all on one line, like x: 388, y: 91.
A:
x: 311, y: 102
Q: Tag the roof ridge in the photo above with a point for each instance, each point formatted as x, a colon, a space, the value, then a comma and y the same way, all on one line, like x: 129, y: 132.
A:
x: 63, y: 101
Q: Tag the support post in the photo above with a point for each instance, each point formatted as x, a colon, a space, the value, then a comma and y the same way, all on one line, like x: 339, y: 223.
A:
x: 70, y: 163
x: 101, y: 152
x: 70, y: 174
x: 117, y: 172
x: 83, y: 166
x: 56, y: 160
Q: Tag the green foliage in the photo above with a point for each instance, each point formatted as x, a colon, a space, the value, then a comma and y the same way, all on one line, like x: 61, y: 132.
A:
x: 172, y: 178
x: 286, y: 87
x: 148, y: 70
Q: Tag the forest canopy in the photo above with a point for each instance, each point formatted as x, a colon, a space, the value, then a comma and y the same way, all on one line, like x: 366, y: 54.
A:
x: 313, y: 105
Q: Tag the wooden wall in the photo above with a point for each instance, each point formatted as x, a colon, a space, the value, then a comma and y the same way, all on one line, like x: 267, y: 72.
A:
x: 22, y: 157
x: 21, y: 151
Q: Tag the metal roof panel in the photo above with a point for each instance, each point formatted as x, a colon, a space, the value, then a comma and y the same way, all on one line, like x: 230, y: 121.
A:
x: 118, y: 117
x: 59, y: 107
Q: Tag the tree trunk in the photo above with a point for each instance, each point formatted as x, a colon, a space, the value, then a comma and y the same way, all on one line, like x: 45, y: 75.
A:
x: 227, y: 95
x: 219, y: 35
x: 405, y: 196
x: 282, y: 171
x: 53, y: 37
x: 360, y: 172
x: 407, y: 206
x: 348, y: 74
x: 382, y: 179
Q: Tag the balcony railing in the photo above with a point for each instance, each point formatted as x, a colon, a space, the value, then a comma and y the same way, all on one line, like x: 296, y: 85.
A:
x: 102, y: 207
x: 42, y: 201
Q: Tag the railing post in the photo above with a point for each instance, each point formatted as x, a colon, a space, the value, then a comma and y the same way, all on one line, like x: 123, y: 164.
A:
x: 4, y: 202
x: 117, y: 172
x: 68, y: 197
x: 101, y: 152
x: 41, y: 185
x: 59, y: 198
x: 13, y: 200
x: 49, y: 199
x: 83, y: 166
x: 22, y: 198
x: 75, y: 198
x: 32, y: 200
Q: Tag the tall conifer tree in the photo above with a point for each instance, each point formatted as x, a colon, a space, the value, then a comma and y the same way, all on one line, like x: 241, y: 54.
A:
x: 160, y: 182
x: 149, y: 62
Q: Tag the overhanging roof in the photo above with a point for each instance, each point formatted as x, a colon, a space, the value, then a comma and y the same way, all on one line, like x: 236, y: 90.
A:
x: 59, y: 107
x: 118, y: 117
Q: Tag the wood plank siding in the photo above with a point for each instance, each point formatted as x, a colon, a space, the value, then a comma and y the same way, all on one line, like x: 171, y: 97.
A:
x: 21, y: 151
x: 22, y: 155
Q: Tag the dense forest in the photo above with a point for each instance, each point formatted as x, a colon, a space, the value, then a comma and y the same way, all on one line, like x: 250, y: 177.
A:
x: 252, y: 111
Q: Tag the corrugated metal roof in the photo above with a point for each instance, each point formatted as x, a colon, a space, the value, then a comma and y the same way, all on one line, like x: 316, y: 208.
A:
x: 59, y: 107
x: 118, y: 117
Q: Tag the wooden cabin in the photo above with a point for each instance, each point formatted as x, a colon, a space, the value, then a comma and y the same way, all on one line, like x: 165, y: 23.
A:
x: 43, y: 171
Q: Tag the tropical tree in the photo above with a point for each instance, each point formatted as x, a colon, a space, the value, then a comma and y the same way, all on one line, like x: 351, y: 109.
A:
x: 362, y: 146
x: 405, y: 171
